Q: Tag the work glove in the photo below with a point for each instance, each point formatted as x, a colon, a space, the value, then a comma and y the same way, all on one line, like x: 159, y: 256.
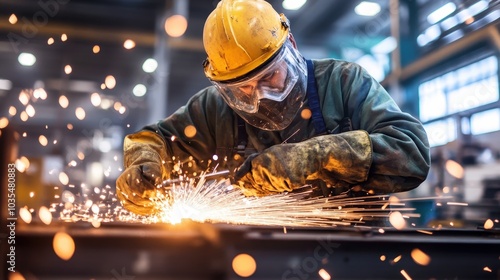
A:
x: 136, y: 188
x: 339, y: 160
x: 144, y: 170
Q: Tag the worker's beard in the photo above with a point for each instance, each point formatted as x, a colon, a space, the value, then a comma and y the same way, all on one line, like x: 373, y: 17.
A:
x: 273, y: 115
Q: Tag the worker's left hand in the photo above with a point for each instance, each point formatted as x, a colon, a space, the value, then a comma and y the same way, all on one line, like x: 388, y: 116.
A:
x: 277, y: 169
x: 281, y: 168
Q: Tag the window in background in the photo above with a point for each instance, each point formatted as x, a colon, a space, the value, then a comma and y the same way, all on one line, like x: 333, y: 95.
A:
x: 441, y: 132
x: 486, y: 121
x: 454, y: 92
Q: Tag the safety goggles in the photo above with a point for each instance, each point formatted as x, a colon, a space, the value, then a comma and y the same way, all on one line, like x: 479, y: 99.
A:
x: 274, y: 81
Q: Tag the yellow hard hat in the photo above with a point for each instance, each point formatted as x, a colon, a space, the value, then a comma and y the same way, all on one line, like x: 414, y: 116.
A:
x: 240, y: 35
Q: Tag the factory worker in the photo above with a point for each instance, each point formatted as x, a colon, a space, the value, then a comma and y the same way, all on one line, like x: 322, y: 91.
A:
x: 287, y: 120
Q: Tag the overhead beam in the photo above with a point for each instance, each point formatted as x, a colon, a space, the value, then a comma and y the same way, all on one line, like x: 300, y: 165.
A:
x: 146, y: 39
x: 445, y: 52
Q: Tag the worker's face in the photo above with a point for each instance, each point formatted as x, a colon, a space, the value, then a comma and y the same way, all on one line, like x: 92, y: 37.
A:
x: 273, y: 81
x: 264, y: 95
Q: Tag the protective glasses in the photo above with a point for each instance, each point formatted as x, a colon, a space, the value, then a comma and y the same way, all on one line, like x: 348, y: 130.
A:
x: 274, y: 82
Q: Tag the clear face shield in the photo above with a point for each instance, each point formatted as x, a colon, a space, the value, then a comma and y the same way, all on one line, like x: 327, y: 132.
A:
x: 270, y: 97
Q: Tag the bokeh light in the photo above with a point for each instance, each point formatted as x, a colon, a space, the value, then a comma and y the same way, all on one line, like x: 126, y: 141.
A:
x: 176, y: 25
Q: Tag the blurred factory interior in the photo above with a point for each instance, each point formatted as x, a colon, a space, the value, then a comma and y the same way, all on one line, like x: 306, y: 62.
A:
x: 76, y: 76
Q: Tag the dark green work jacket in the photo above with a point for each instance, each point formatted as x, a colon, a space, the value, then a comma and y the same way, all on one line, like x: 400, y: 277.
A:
x: 203, y: 133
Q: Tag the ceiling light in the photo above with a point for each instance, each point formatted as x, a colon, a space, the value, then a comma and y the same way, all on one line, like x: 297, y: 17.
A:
x: 478, y: 7
x: 5, y: 84
x: 433, y: 32
x: 449, y: 23
x: 367, y: 9
x: 150, y: 65
x: 442, y: 12
x: 372, y: 66
x: 385, y: 46
x: 293, y: 4
x: 26, y: 59
x: 139, y: 90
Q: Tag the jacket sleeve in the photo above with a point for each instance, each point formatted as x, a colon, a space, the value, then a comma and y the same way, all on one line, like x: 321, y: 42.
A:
x: 400, y: 158
x: 186, y: 141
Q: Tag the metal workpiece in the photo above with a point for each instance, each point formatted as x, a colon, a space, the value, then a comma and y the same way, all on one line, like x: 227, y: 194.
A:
x: 223, y: 174
x: 205, y: 251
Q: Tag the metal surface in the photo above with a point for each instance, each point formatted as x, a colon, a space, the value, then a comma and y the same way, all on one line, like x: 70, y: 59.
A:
x: 207, y: 176
x: 205, y: 251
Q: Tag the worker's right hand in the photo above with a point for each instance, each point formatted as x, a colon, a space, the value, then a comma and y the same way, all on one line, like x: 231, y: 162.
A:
x: 136, y: 187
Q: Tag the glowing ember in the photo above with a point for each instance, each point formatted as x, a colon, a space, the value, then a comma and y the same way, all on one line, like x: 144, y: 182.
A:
x: 383, y: 258
x: 455, y: 169
x: 25, y: 215
x: 95, y: 99
x: 40, y: 93
x: 306, y: 114
x: 487, y: 269
x: 117, y: 105
x: 96, y: 49
x: 24, y: 97
x: 68, y: 196
x: 4, y: 122
x: 64, y: 37
x: 324, y: 274
x: 190, y: 131
x: 30, y: 110
x: 96, y: 224
x: 20, y: 166
x: 457, y: 203
x: 129, y: 44
x: 420, y: 257
x: 95, y: 209
x: 122, y: 110
x: 12, y: 19
x: 405, y: 275
x: 12, y: 112
x: 63, y: 178
x: 110, y: 82
x: 397, y: 220
x: 63, y: 245
x: 45, y: 215
x: 43, y: 140
x: 244, y: 265
x: 63, y: 101
x: 397, y: 259
x: 80, y: 113
x: 50, y: 41
x: 488, y: 224
x: 24, y: 116
x: 68, y: 69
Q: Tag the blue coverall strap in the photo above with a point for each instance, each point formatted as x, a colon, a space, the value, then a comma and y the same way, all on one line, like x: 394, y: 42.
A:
x: 313, y: 100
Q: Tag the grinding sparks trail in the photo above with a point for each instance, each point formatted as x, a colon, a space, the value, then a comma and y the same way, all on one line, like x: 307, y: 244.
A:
x: 218, y: 202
